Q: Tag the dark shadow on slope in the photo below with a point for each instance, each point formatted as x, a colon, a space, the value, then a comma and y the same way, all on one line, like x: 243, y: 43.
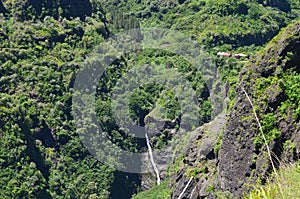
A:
x: 2, y: 8
x: 124, y: 185
x: 282, y: 5
x: 293, y: 54
x: 33, y: 152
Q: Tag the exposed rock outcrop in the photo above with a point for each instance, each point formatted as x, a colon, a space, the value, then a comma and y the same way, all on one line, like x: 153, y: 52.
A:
x: 242, y: 160
x: 200, y: 162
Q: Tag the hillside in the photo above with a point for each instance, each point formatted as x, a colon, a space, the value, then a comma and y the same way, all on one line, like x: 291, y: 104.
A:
x: 41, y: 156
x: 44, y: 46
x: 228, y: 163
x: 272, y: 85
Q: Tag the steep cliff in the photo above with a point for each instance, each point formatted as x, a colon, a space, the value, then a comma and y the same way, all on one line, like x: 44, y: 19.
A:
x: 227, y: 163
x: 41, y: 156
x: 272, y: 83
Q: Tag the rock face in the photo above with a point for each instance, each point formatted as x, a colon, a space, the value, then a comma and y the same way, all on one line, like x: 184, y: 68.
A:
x: 241, y: 159
x: 200, y: 162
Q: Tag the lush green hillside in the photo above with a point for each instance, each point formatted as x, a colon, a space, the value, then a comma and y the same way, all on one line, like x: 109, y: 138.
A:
x: 42, y: 47
x: 41, y: 156
x: 238, y: 26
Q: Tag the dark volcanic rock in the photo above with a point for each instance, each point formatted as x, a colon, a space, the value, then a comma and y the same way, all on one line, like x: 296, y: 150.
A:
x: 200, y: 162
x: 241, y: 161
x: 237, y: 149
x: 182, y: 181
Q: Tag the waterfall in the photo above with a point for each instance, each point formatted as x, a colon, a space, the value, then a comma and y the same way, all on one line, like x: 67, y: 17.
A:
x: 152, y: 159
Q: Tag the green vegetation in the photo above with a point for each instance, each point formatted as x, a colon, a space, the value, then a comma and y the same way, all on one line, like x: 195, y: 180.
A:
x: 44, y: 43
x: 284, y: 185
x: 218, y: 144
x: 196, y: 171
x: 285, y: 85
x: 40, y: 154
x: 161, y: 191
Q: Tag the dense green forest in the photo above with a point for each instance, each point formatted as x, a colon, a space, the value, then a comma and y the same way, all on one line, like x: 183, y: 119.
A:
x: 44, y: 44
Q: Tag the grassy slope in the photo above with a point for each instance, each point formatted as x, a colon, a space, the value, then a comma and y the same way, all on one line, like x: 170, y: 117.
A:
x: 284, y: 185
